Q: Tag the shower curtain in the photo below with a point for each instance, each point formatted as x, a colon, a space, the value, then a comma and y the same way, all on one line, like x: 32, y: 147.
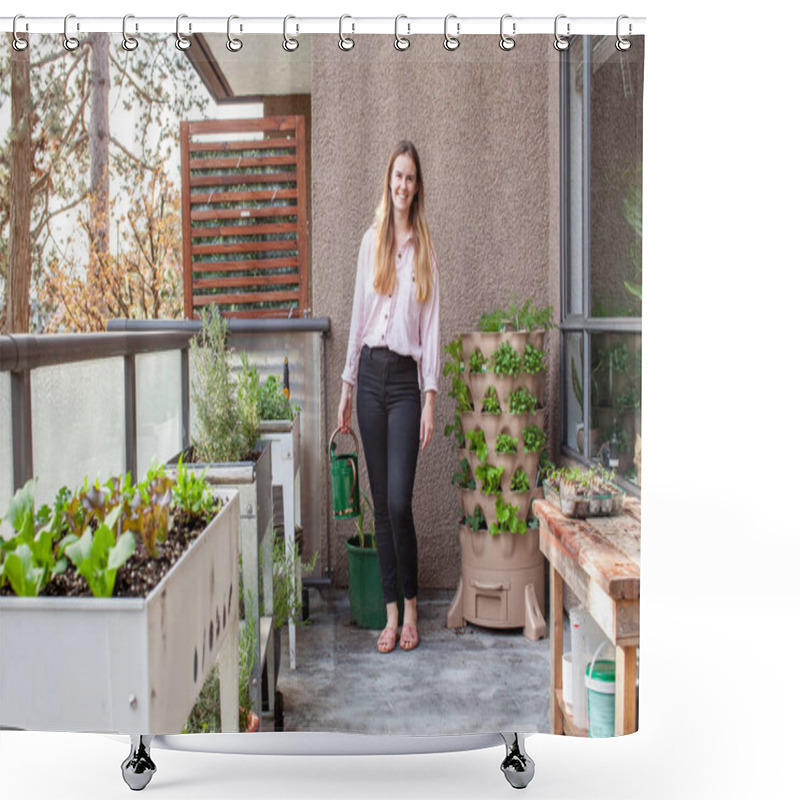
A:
x: 161, y: 182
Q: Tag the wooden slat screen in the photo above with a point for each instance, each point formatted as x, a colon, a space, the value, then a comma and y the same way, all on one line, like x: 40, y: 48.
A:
x: 244, y: 216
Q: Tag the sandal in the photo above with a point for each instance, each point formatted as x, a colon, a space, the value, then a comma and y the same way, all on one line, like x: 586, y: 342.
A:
x: 410, y: 637
x: 387, y: 641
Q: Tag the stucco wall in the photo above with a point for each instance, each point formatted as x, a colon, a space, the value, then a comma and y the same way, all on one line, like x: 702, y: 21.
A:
x: 485, y: 123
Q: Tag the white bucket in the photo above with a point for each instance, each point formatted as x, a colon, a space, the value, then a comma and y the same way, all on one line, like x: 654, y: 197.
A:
x: 566, y: 680
x: 585, y: 635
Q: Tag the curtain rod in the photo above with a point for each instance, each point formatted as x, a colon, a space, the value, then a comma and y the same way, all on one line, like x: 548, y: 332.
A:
x: 297, y: 26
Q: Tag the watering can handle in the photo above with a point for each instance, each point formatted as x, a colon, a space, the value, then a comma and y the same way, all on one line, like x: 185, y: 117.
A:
x: 330, y: 444
x: 355, y: 480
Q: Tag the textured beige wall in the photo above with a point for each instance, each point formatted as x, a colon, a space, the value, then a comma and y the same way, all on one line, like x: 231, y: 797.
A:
x: 485, y: 123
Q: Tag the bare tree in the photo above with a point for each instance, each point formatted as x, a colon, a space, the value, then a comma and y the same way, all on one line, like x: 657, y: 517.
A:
x: 19, y: 249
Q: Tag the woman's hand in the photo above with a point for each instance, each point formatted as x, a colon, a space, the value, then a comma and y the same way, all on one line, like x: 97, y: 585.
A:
x: 345, y: 407
x: 426, y: 421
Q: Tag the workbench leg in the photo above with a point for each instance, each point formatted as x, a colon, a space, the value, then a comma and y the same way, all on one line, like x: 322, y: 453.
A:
x: 625, y: 697
x: 556, y: 648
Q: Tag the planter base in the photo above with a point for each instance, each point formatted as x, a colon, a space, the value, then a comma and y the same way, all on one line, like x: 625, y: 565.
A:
x: 501, y: 584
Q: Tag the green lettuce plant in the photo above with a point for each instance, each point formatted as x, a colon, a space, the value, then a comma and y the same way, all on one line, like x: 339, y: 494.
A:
x: 98, y: 554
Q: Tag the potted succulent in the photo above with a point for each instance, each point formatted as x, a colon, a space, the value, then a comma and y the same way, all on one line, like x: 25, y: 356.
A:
x: 227, y: 451
x: 116, y: 599
x: 497, y: 381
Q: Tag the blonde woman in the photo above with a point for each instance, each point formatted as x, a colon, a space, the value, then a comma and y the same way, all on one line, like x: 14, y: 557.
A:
x: 392, y: 356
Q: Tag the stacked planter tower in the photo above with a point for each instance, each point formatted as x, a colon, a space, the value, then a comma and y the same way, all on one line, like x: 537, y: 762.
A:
x: 498, y: 383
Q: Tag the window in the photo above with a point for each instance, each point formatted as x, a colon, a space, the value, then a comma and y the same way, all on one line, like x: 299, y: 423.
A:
x: 601, y: 254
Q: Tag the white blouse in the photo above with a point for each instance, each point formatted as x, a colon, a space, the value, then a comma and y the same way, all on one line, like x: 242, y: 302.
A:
x: 397, y: 321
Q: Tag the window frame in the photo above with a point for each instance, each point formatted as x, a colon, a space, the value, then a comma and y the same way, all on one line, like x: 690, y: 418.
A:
x: 583, y: 323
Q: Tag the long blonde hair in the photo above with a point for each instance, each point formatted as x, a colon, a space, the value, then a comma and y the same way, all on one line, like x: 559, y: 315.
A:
x: 385, y: 272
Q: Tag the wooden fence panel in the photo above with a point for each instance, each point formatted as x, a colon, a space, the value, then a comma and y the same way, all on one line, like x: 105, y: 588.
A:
x: 244, y: 216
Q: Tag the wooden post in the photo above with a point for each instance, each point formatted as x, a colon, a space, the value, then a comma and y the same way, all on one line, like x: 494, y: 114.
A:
x: 625, y: 697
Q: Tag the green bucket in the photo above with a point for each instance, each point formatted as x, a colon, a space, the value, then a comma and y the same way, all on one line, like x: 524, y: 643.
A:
x: 344, y: 481
x: 601, y: 689
x: 367, y: 609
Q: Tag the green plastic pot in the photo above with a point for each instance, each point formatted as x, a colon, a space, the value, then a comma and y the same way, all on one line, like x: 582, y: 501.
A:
x: 367, y: 609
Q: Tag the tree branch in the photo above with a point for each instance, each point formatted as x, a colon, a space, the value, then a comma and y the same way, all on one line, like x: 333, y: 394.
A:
x: 131, y: 156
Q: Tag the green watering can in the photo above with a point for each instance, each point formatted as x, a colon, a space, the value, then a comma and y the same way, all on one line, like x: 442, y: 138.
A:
x: 344, y: 481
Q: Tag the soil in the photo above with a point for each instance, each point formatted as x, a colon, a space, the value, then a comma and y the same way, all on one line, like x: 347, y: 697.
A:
x: 137, y: 577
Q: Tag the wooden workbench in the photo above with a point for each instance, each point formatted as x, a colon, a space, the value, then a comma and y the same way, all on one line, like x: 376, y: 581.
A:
x: 599, y: 559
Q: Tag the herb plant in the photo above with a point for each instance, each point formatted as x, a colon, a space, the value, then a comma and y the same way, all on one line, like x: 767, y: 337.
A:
x: 272, y: 402
x: 192, y: 497
x: 462, y: 477
x: 477, y: 362
x: 520, y: 482
x: 477, y: 443
x: 517, y: 318
x: 533, y: 439
x: 506, y: 360
x: 521, y: 401
x: 475, y: 521
x: 532, y: 360
x: 491, y: 402
x: 506, y: 444
x: 508, y: 519
x: 489, y: 477
x: 456, y: 430
x: 218, y: 433
x: 454, y: 368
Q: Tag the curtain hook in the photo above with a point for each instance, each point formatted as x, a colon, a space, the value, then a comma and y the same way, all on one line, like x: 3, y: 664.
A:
x: 623, y: 44
x: 181, y: 42
x: 18, y: 43
x: 400, y: 42
x: 290, y: 44
x: 233, y: 44
x: 451, y: 42
x: 507, y: 42
x: 70, y: 42
x: 561, y: 43
x: 129, y: 43
x: 345, y: 42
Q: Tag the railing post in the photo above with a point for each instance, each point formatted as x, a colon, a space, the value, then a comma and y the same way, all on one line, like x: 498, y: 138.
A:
x: 21, y: 429
x: 131, y: 464
x: 185, y: 421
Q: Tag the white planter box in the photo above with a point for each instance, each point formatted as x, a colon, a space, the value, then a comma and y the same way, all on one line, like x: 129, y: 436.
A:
x: 125, y: 665
x: 284, y: 437
x: 253, y: 481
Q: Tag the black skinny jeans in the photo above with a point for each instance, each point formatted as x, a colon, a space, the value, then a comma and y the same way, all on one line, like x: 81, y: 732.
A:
x: 389, y: 409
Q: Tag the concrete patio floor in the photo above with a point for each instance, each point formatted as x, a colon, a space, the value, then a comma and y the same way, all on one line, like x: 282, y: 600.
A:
x: 468, y: 680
